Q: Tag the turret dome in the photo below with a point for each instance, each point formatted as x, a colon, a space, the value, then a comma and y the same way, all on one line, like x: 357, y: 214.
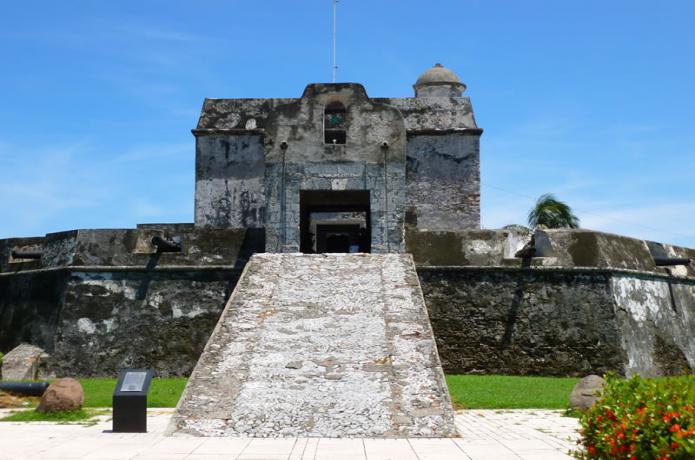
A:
x: 438, y: 81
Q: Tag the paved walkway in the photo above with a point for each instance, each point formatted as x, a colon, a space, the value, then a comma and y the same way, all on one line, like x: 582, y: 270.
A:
x: 485, y: 434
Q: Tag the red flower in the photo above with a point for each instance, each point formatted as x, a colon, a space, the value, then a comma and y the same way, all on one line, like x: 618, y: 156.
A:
x: 592, y: 450
x: 675, y: 427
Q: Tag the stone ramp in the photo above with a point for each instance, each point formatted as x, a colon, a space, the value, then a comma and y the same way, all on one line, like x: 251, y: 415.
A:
x: 329, y: 345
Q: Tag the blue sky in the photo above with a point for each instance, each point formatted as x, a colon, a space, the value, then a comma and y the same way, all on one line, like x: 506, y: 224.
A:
x: 593, y: 101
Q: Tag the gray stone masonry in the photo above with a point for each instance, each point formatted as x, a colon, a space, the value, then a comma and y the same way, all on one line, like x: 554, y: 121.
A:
x: 418, y: 157
x: 331, y: 345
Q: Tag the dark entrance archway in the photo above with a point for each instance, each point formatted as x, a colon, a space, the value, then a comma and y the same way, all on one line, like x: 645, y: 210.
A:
x: 334, y: 221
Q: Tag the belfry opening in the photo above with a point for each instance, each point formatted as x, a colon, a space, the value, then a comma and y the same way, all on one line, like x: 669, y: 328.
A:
x: 335, y: 221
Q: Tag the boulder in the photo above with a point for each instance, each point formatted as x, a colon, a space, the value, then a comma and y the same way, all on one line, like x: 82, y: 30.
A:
x: 586, y: 392
x: 62, y: 395
x: 24, y: 362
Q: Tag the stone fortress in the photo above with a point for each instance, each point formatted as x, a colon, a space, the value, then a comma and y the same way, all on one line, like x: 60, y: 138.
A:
x: 336, y: 171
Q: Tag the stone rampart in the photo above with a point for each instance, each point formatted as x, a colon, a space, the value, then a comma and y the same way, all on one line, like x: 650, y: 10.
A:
x: 99, y: 300
x: 590, y: 302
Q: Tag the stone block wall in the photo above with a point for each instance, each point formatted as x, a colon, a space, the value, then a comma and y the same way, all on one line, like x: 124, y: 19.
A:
x: 137, y: 318
x: 30, y: 308
x: 590, y: 302
x: 509, y: 321
x: 554, y: 321
x: 443, y: 181
x: 230, y: 181
x: 418, y: 157
x: 656, y: 318
x: 99, y: 300
x: 385, y: 184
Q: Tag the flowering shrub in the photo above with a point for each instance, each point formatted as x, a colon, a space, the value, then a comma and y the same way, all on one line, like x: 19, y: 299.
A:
x: 641, y: 419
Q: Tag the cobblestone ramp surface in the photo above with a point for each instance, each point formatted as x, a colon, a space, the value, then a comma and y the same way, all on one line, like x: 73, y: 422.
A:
x: 336, y: 345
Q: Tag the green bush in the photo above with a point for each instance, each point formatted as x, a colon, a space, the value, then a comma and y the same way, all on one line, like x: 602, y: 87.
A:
x: 641, y: 419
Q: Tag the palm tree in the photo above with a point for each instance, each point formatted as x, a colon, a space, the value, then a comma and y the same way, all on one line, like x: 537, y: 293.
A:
x: 549, y: 212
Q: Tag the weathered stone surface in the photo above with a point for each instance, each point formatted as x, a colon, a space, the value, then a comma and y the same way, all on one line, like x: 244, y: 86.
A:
x: 118, y: 302
x: 515, y: 321
x: 417, y: 157
x: 657, y: 319
x: 158, y: 319
x: 588, y: 248
x: 586, y: 392
x: 443, y: 182
x: 320, y: 345
x: 30, y: 308
x: 24, y: 362
x: 62, y: 395
x: 461, y: 248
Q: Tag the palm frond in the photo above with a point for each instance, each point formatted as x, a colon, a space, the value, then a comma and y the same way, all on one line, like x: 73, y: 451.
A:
x: 549, y: 212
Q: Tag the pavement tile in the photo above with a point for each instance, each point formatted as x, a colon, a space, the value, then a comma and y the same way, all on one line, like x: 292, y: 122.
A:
x: 546, y: 456
x: 485, y: 449
x: 498, y: 435
x: 435, y: 449
x: 224, y: 446
x: 177, y: 445
x: 389, y: 449
x: 339, y: 449
x: 268, y: 448
x: 305, y: 448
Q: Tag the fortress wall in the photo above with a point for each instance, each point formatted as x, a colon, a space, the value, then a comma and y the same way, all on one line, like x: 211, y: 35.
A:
x: 587, y: 248
x: 592, y: 302
x: 160, y: 319
x: 30, y: 308
x: 443, y: 181
x: 656, y: 317
x: 117, y: 302
x: 230, y: 181
x: 556, y: 321
x: 512, y: 321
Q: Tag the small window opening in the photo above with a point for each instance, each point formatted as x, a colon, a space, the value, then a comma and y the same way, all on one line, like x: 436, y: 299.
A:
x: 334, y: 124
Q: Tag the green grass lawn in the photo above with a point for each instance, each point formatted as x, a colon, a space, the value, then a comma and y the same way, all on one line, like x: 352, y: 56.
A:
x: 164, y: 392
x: 467, y: 391
x: 75, y: 416
x: 509, y: 392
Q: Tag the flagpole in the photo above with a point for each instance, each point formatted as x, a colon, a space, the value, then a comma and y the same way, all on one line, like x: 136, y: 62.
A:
x: 335, y: 66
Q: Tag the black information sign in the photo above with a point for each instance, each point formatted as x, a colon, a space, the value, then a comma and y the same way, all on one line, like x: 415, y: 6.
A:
x: 130, y: 400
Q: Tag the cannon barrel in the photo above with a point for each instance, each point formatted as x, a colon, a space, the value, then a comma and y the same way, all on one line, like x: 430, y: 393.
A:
x: 164, y: 245
x: 26, y: 254
x: 24, y: 388
x: 671, y: 261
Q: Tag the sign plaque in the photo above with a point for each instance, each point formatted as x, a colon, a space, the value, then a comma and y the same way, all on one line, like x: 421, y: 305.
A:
x: 130, y: 400
x: 133, y: 381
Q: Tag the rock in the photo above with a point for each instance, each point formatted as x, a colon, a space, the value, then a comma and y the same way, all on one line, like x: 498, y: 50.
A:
x: 24, y: 362
x: 62, y: 395
x: 586, y: 392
